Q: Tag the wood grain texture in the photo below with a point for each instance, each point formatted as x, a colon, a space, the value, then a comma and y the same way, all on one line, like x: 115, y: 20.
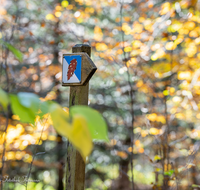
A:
x: 75, y: 166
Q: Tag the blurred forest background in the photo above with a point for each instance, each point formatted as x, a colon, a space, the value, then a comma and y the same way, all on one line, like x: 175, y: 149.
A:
x: 147, y: 87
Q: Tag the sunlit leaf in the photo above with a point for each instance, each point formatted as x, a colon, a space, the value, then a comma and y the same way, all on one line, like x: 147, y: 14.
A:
x: 141, y: 150
x: 27, y: 106
x: 50, y: 17
x: 165, y: 92
x: 33, y: 102
x: 161, y: 119
x: 127, y: 49
x: 96, y: 124
x: 184, y: 75
x: 58, y: 13
x: 154, y: 131
x: 152, y: 117
x: 157, y: 157
x: 98, y: 34
x: 64, y: 3
x: 122, y: 154
x: 3, y: 11
x: 189, y: 25
x: 77, y: 132
x: 170, y: 46
x: 80, y: 135
x: 137, y: 142
x: 25, y: 114
x: 101, y: 46
x: 165, y: 8
x: 169, y: 173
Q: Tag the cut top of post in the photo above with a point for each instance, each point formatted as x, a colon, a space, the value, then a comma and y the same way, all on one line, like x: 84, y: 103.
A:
x: 82, y: 48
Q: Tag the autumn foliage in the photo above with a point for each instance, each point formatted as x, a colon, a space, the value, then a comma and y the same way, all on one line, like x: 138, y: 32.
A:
x: 147, y: 87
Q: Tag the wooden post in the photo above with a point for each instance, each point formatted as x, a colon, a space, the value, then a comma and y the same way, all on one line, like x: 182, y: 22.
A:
x: 75, y: 166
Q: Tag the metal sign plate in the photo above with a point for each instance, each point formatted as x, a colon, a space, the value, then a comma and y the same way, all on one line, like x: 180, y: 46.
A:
x: 78, y: 68
x: 72, y: 69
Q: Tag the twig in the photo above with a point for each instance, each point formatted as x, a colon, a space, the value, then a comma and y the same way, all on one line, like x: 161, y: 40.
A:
x: 131, y: 96
x: 35, y: 154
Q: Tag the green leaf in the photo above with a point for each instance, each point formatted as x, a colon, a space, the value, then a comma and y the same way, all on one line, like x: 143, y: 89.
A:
x: 169, y: 173
x: 76, y: 131
x: 27, y: 106
x: 194, y: 185
x: 28, y: 100
x: 4, y: 100
x: 33, y: 102
x: 18, y: 54
x: 96, y: 124
x: 25, y: 114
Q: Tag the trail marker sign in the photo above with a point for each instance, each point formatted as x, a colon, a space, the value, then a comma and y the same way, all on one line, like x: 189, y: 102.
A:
x: 78, y: 68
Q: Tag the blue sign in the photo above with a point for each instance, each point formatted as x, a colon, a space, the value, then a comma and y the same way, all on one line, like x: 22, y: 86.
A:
x: 72, y: 69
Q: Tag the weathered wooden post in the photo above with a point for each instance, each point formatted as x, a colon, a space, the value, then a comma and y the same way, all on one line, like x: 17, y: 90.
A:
x: 78, y: 68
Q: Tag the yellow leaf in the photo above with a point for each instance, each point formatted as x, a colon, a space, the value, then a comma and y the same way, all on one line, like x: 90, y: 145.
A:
x: 139, y: 83
x: 152, y: 117
x: 198, y: 116
x: 170, y: 46
x: 141, y: 19
x: 137, y: 44
x: 58, y: 13
x: 166, y: 92
x: 185, y: 75
x: 180, y: 115
x: 122, y: 154
x: 77, y: 132
x: 165, y: 8
x: 15, y: 117
x: 141, y: 150
x: 137, y: 143
x: 154, y: 57
x: 113, y: 142
x: 65, y: 3
x: 154, y: 131
x: 50, y: 17
x: 193, y: 34
x: 161, y: 119
x: 3, y: 11
x: 189, y: 25
x: 120, y: 51
x: 127, y: 49
x: 98, y: 34
x: 101, y: 46
x: 197, y: 40
x: 58, y: 8
x: 137, y: 27
x: 130, y: 149
x: 191, y: 49
x: 157, y: 157
x: 126, y: 28
x: 80, y: 136
x: 79, y: 20
x: 144, y: 133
